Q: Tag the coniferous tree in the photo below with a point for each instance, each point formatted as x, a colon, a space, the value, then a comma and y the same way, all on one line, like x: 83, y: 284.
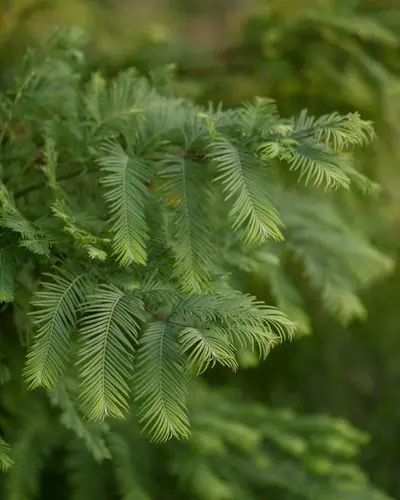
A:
x: 127, y: 216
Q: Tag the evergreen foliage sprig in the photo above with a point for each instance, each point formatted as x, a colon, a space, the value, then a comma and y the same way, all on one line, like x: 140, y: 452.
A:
x: 133, y: 205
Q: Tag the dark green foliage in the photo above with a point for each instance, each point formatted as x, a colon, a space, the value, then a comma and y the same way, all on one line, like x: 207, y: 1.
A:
x: 238, y: 449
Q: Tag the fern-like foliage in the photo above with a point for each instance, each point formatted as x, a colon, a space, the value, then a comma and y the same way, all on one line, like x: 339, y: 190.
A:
x: 150, y: 198
x: 105, y: 360
x: 244, y: 176
x: 161, y: 384
x: 205, y: 348
x: 237, y: 449
x: 55, y: 318
x: 126, y: 194
x: 191, y: 238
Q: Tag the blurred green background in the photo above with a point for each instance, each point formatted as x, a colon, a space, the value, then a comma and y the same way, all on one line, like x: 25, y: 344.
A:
x: 324, y: 55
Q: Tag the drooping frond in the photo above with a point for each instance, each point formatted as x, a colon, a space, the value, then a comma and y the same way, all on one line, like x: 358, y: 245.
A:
x: 245, y: 321
x: 126, y: 192
x: 247, y: 180
x: 192, y: 242
x: 265, y: 262
x: 32, y: 239
x: 160, y: 386
x: 336, y: 131
x: 56, y: 306
x: 317, y: 147
x: 73, y: 223
x: 205, y: 348
x: 108, y: 330
x: 318, y: 165
x: 5, y: 455
x: 358, y: 180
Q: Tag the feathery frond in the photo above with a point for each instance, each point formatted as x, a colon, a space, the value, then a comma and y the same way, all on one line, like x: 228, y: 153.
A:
x: 161, y: 384
x: 338, y: 261
x: 336, y: 131
x: 288, y: 298
x: 165, y: 118
x: 247, y: 179
x: 109, y: 329
x: 318, y: 165
x: 205, y: 348
x: 160, y: 293
x: 111, y: 105
x: 192, y: 242
x: 126, y: 192
x: 245, y: 321
x: 55, y: 318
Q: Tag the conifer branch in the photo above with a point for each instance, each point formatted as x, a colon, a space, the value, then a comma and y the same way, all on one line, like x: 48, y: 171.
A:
x: 219, y: 200
x: 91, y: 169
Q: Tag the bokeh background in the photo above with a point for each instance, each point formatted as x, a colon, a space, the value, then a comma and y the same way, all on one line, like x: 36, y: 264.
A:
x: 324, y: 55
